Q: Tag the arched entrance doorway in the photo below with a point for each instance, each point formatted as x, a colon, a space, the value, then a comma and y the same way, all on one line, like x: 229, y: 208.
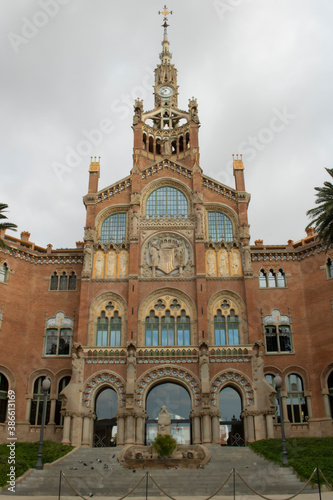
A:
x: 178, y: 402
x: 105, y: 426
x: 231, y: 424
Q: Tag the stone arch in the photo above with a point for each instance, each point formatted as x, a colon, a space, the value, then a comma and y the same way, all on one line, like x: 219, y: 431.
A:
x: 240, y: 305
x: 323, y: 376
x: 170, y: 373
x: 113, y: 209
x: 235, y: 379
x: 9, y: 376
x: 163, y: 182
x: 297, y: 370
x: 97, y: 304
x: 39, y: 373
x: 185, y: 300
x: 101, y: 380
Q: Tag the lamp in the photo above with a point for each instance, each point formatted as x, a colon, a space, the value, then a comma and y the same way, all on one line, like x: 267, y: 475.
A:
x: 278, y: 384
x: 46, y: 384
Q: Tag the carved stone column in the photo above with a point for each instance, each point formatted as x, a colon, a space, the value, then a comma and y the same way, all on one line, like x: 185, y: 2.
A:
x: 196, y: 432
x: 206, y: 424
x: 86, y: 431
x: 66, y: 429
x: 269, y: 426
x: 326, y: 403
x: 216, y: 429
x: 120, y: 430
x: 130, y: 429
x: 76, y: 434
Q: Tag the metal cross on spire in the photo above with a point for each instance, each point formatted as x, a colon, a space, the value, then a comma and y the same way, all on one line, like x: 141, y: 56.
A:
x: 165, y: 12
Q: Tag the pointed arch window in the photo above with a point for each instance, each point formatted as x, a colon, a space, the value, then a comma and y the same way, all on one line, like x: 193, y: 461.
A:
x: 114, y: 228
x: 296, y: 402
x: 36, y: 407
x: 108, y: 328
x: 272, y: 278
x: 226, y: 325
x: 58, y: 335
x: 220, y: 227
x: 58, y: 418
x: 3, y: 398
x: 277, y: 333
x: 4, y: 273
x: 169, y: 327
x: 166, y: 202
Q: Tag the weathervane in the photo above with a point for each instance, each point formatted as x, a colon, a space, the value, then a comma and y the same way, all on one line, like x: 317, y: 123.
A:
x: 165, y: 12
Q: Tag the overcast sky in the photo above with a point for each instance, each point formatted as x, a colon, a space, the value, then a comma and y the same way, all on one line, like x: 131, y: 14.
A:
x: 261, y: 70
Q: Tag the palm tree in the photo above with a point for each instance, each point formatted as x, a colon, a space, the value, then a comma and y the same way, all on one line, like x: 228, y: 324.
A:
x: 322, y: 216
x: 5, y: 225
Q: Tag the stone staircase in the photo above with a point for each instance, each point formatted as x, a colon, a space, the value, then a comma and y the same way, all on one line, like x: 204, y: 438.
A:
x: 96, y: 471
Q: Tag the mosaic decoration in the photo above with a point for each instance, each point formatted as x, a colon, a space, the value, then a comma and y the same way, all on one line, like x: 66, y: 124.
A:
x: 104, y: 378
x: 237, y: 379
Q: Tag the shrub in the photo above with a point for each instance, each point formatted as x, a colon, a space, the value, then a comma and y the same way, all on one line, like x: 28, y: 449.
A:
x: 164, y: 445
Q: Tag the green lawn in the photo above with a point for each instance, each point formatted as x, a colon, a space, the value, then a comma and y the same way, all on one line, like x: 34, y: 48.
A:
x: 26, y: 457
x: 304, y: 455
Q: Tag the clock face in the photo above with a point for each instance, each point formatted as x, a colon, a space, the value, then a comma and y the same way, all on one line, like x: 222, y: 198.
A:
x: 165, y: 91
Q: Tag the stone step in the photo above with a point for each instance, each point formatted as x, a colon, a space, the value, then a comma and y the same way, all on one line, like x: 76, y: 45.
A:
x: 115, y: 480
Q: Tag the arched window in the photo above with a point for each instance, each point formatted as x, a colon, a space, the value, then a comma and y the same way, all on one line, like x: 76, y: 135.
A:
x: 36, y: 408
x: 167, y: 325
x: 58, y: 335
x: 166, y: 202
x: 272, y: 279
x: 226, y: 325
x: 114, y: 228
x: 277, y: 332
x: 58, y: 418
x: 4, y: 273
x: 329, y: 267
x: 330, y: 391
x: 220, y: 227
x: 270, y: 379
x: 108, y: 329
x: 66, y: 281
x: 3, y: 398
x: 296, y: 402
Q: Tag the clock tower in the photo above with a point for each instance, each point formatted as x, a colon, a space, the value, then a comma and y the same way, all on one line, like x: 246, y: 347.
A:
x: 166, y: 131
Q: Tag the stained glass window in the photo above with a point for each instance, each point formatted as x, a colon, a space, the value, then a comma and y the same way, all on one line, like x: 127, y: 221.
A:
x: 220, y: 227
x: 114, y: 228
x: 166, y: 202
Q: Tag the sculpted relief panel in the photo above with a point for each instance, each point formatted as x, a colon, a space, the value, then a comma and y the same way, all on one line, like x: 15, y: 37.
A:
x: 110, y: 264
x: 223, y: 263
x: 166, y: 255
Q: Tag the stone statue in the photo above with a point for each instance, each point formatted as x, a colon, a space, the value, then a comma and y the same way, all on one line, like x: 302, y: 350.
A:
x: 77, y: 367
x: 164, y: 422
x: 138, y: 106
x: 99, y: 265
x: 154, y: 256
x: 204, y: 371
x: 87, y: 261
x: 263, y: 391
x: 111, y: 263
x: 223, y: 262
x: 199, y: 218
x: 135, y: 221
x: 247, y: 258
x: 181, y: 254
x: 123, y: 263
x: 166, y: 150
x: 235, y: 260
x: 131, y: 372
x: 211, y: 263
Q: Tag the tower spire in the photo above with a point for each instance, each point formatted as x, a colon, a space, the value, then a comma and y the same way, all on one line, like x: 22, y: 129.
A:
x: 165, y: 55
